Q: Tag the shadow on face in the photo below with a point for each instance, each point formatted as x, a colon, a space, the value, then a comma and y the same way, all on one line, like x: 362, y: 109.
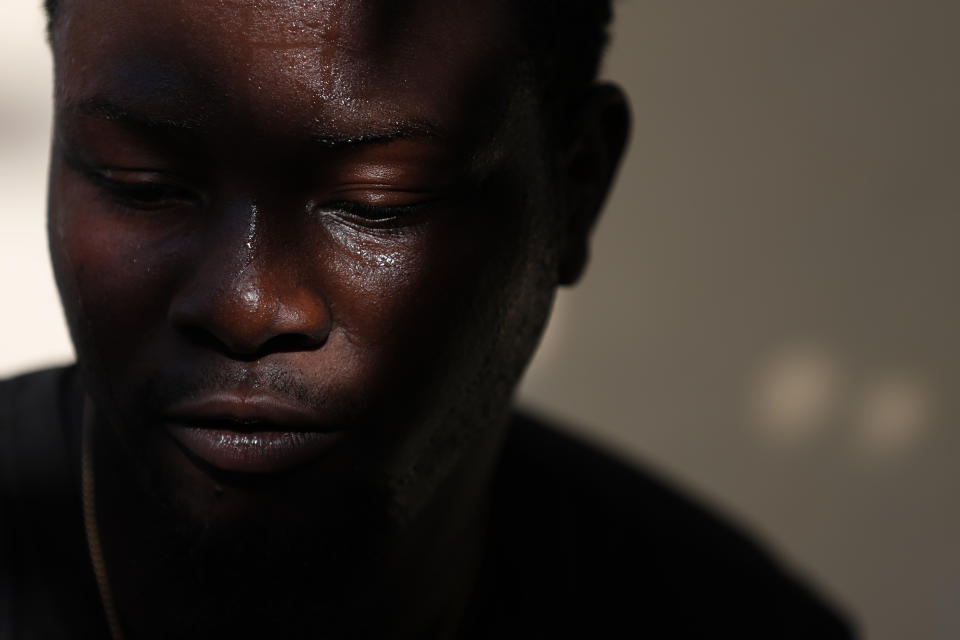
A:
x: 338, y: 209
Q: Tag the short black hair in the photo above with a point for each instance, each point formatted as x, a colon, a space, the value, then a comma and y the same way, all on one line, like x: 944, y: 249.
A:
x: 565, y: 41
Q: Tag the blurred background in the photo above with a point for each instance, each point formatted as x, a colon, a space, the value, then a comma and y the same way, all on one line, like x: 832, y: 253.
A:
x: 771, y: 314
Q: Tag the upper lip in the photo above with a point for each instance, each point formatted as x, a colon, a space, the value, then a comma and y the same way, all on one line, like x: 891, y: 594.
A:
x: 246, y: 409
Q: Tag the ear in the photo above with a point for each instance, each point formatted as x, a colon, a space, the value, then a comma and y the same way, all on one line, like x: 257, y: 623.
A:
x: 589, y: 162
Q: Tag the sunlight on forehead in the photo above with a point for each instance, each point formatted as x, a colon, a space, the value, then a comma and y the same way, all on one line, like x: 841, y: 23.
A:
x: 345, y: 52
x: 289, y: 22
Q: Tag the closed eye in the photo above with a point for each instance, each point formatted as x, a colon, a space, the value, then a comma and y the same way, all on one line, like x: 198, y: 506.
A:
x: 374, y: 212
x: 144, y: 190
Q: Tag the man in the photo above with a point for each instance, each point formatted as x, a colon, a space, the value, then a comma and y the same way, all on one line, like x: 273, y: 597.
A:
x: 305, y: 250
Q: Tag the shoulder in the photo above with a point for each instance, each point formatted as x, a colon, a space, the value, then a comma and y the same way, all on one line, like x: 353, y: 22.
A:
x: 35, y: 395
x: 36, y: 410
x: 46, y: 587
x: 35, y: 415
x: 634, y: 547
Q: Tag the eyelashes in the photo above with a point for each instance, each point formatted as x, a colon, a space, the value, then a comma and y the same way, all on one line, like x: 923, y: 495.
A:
x: 148, y: 192
x: 373, y: 213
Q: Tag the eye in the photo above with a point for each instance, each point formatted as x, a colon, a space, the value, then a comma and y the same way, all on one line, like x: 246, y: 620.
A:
x: 375, y: 213
x: 143, y: 190
x: 395, y: 210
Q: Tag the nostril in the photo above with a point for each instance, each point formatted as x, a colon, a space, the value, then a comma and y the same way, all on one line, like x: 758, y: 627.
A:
x: 284, y: 342
x: 291, y: 342
x: 205, y: 340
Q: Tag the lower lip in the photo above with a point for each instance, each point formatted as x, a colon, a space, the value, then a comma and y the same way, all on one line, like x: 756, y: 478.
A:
x: 253, y: 451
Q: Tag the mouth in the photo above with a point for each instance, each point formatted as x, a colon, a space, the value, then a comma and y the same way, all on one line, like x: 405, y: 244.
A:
x: 249, y: 434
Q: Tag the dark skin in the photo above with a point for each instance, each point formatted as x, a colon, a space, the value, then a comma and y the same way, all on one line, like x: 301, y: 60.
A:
x: 353, y: 206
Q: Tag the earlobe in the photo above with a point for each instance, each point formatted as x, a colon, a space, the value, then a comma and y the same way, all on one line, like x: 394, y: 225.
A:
x: 589, y: 164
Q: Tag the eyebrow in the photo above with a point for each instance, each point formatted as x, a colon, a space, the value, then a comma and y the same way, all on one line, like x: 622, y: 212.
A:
x: 399, y: 130
x: 317, y: 132
x: 99, y: 107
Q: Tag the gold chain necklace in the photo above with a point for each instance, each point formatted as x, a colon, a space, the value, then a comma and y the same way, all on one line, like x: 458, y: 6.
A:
x: 88, y: 490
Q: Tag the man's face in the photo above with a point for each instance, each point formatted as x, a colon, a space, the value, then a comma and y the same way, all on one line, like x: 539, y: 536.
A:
x: 307, y: 240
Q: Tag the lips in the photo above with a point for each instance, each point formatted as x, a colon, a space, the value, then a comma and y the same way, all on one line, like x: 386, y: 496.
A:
x: 249, y: 433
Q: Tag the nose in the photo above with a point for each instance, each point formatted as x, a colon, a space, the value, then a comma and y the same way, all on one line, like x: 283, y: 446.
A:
x: 247, y: 299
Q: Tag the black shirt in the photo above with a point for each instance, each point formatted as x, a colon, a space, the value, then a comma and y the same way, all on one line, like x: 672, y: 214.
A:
x: 580, y: 544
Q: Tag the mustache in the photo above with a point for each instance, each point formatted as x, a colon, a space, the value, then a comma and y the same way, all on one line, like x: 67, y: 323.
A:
x: 161, y: 391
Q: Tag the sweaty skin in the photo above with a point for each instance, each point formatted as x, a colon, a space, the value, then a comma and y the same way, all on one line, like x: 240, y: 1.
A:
x: 316, y: 217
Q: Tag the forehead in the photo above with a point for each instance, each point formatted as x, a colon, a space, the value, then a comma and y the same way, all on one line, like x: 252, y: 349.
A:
x: 288, y: 61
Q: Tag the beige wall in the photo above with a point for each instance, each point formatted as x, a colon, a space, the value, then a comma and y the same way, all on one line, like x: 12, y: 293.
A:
x: 771, y: 312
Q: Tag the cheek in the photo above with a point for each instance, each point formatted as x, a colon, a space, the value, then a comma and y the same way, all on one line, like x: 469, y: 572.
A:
x: 400, y: 291
x: 420, y: 307
x: 114, y: 271
x: 438, y: 282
